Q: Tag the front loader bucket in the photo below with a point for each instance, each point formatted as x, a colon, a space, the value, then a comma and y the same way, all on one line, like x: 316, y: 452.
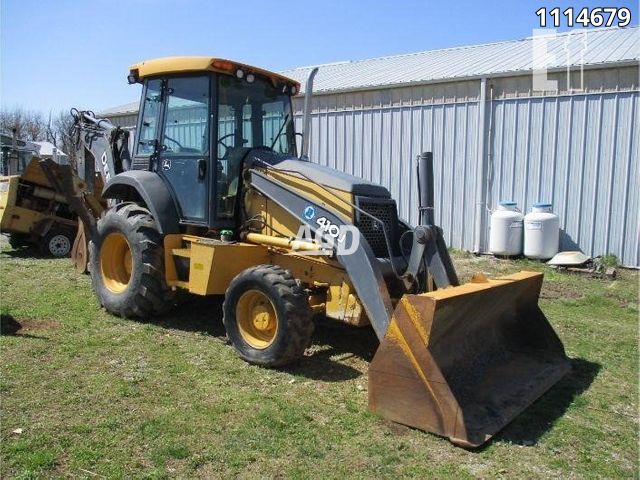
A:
x: 462, y: 362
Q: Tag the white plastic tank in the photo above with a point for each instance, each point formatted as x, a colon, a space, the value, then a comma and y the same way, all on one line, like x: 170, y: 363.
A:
x: 505, y: 234
x: 541, y: 232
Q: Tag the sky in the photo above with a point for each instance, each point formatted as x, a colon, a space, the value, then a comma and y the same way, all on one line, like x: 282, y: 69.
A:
x: 58, y: 54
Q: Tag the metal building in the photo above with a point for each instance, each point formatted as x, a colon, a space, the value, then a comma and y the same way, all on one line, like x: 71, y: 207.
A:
x: 494, y: 137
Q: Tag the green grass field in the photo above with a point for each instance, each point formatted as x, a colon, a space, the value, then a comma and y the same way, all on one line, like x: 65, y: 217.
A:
x: 96, y: 396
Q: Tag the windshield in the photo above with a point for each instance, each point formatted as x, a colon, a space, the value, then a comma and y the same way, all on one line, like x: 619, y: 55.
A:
x: 255, y: 114
x: 250, y: 115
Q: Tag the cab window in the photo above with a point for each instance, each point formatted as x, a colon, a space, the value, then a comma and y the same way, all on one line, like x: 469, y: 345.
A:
x: 185, y: 124
x: 149, y: 121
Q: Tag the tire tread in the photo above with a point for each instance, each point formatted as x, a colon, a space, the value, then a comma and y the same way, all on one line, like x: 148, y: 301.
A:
x: 152, y: 296
x: 296, y: 308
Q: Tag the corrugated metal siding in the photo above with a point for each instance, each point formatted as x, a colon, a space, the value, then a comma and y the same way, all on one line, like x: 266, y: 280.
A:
x: 380, y: 144
x: 126, y: 120
x: 580, y: 153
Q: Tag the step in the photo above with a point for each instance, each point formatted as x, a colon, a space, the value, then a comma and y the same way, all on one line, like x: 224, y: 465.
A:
x: 181, y: 252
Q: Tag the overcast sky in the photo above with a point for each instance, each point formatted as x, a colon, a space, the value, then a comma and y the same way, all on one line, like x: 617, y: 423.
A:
x: 62, y: 53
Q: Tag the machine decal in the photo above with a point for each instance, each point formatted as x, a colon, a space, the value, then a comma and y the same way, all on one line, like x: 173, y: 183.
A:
x: 166, y: 164
x: 331, y: 228
x: 105, y: 166
x: 309, y: 212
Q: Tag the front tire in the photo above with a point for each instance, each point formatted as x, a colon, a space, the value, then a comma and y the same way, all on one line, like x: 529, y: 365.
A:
x: 267, y: 316
x: 127, y: 264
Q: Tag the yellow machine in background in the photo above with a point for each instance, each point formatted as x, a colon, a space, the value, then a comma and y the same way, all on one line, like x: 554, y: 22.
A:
x: 33, y: 212
x: 215, y: 201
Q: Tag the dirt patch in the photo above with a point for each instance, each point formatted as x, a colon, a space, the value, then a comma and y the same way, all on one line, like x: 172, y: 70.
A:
x: 396, y: 429
x: 489, y: 266
x: 23, y: 326
x: 559, y: 290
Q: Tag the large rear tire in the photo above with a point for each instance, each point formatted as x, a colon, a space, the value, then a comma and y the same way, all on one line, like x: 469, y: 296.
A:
x: 127, y: 264
x: 267, y: 316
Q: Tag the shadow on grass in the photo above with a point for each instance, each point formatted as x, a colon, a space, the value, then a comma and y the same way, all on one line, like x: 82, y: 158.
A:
x: 11, y: 327
x: 332, y: 339
x: 540, y: 417
x: 27, y: 251
x: 195, y: 314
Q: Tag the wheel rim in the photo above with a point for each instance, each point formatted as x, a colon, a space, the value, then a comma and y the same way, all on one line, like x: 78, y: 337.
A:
x: 115, y: 262
x: 257, y: 319
x: 59, y: 245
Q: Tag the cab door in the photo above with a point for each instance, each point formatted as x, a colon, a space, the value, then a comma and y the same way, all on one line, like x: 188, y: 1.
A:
x: 183, y: 153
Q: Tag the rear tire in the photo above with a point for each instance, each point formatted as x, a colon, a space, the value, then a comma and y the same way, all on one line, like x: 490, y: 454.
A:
x: 127, y: 264
x: 267, y: 316
x: 57, y: 243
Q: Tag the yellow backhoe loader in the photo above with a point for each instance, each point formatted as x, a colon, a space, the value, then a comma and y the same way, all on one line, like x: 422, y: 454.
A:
x: 217, y: 202
x: 32, y: 212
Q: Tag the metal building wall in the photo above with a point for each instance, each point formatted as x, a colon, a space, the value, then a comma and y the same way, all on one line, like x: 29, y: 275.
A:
x: 377, y: 135
x: 124, y: 120
x: 579, y: 152
x: 576, y: 149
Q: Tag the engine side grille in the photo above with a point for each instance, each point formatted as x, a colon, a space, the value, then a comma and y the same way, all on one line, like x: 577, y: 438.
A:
x: 384, y: 210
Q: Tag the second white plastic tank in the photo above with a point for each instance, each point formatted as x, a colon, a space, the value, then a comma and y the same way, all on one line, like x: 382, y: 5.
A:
x: 541, y: 232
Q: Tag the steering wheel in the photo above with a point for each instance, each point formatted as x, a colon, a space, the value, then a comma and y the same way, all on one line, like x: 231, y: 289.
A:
x: 178, y: 144
x: 226, y: 147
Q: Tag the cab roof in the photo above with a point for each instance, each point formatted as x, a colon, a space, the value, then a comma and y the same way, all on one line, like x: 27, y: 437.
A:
x: 169, y: 65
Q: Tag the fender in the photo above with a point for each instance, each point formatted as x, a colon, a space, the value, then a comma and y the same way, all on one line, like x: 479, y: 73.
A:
x: 153, y: 191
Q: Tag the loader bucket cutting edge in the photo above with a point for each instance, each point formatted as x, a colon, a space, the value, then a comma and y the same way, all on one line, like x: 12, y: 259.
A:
x: 463, y: 362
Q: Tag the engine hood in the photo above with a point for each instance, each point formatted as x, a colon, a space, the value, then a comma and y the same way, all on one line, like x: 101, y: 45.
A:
x: 327, y: 176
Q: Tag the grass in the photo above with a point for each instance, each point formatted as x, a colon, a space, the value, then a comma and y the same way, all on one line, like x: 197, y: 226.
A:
x: 99, y: 396
x: 609, y: 260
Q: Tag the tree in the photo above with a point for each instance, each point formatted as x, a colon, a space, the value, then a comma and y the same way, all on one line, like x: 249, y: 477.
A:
x: 31, y: 125
x: 60, y: 134
x: 27, y: 124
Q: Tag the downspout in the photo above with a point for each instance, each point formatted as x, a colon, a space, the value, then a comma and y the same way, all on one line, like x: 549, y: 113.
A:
x: 489, y: 156
x: 306, y: 119
x: 482, y: 177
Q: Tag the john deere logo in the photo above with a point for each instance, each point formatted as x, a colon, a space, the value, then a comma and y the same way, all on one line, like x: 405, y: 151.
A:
x: 309, y: 212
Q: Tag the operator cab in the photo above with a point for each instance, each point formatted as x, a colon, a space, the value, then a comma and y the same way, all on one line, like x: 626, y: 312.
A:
x: 199, y: 118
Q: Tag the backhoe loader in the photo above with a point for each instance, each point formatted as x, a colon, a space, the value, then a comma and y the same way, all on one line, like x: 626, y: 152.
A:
x: 32, y: 212
x: 217, y: 202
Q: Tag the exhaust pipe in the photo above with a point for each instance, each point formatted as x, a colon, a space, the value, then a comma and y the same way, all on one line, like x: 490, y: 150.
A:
x: 306, y: 123
x: 425, y: 188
